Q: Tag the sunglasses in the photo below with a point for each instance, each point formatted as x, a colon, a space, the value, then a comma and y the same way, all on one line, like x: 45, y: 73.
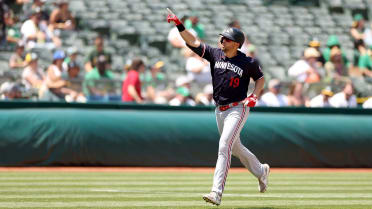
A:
x: 226, y: 39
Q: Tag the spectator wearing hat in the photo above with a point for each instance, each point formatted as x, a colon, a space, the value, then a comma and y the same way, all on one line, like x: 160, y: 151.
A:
x: 33, y: 77
x: 56, y: 84
x: 74, y: 80
x: 72, y: 53
x: 17, y: 60
x: 182, y: 97
x: 98, y: 84
x: 322, y: 100
x: 306, y: 69
x: 155, y: 83
x: 333, y: 42
x: 273, y: 98
x: 92, y: 59
x: 315, y: 43
x: 336, y: 71
x: 131, y: 88
x: 345, y: 98
x: 61, y: 18
x: 357, y: 34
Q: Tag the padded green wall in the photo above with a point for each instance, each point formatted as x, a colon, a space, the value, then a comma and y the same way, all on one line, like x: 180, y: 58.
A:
x: 130, y: 135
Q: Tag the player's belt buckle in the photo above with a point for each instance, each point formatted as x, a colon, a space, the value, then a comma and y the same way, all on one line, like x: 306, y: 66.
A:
x: 226, y: 107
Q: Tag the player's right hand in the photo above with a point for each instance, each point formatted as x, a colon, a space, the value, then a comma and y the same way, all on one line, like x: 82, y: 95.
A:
x: 250, y: 101
x: 173, y: 18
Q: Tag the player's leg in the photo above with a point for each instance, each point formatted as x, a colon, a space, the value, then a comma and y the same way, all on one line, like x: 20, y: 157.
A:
x: 250, y: 161
x: 233, y: 121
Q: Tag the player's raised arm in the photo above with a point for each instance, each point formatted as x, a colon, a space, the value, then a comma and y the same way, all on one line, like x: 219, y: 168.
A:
x: 188, y: 37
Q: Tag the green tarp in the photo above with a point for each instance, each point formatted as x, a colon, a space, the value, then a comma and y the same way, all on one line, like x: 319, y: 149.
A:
x: 121, y: 135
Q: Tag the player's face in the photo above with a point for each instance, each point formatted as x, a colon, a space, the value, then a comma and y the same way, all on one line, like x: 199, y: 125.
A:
x: 227, y: 44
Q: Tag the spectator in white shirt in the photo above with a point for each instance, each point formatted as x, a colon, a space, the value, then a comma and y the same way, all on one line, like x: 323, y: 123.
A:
x: 322, y: 100
x: 368, y: 103
x: 175, y: 38
x: 345, y: 98
x: 273, y: 98
x: 306, y: 70
x: 198, y: 70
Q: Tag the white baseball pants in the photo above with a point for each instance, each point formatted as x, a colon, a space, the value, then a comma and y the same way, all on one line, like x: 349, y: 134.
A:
x: 230, y: 124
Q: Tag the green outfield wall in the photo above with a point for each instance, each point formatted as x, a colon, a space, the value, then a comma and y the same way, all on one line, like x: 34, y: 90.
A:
x: 115, y: 134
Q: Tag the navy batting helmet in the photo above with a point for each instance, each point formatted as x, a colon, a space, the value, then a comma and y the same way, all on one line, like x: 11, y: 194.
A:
x: 234, y: 34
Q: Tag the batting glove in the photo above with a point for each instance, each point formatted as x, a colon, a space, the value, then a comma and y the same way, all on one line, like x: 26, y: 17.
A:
x: 250, y: 101
x: 174, y: 18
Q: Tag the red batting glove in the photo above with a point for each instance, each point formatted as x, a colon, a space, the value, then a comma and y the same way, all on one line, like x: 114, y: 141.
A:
x: 250, y: 101
x: 173, y: 18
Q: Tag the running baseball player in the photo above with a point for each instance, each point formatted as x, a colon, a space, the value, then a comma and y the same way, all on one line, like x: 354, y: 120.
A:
x: 231, y: 71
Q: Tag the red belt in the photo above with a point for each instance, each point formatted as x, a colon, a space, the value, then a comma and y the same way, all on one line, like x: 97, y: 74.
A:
x: 226, y: 107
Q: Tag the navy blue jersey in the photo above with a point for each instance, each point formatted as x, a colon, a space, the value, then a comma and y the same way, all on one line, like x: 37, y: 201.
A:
x: 230, y: 76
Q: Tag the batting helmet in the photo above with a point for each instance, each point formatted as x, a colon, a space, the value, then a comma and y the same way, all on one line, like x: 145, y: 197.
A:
x: 234, y: 34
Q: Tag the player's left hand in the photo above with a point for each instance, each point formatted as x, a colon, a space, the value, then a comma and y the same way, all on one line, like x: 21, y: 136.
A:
x: 250, y: 101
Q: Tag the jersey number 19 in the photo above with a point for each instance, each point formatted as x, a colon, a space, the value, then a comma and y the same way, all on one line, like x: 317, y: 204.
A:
x: 234, y: 82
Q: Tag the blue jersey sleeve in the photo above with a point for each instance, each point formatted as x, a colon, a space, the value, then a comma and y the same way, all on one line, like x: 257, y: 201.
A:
x: 205, y: 51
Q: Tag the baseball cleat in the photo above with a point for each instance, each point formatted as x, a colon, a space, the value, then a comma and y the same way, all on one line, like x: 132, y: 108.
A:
x: 213, y: 198
x: 263, y: 181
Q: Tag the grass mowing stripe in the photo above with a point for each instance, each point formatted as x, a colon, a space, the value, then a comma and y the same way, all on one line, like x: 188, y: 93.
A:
x: 177, y: 190
x: 227, y: 203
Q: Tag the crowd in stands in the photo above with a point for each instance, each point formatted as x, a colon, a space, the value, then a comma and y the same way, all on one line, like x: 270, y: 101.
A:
x: 322, y: 77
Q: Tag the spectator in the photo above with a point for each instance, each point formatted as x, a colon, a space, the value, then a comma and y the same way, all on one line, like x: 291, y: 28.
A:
x: 306, y: 70
x: 368, y: 103
x: 175, y: 38
x: 97, y: 85
x: 365, y: 63
x: 131, y: 88
x: 198, y: 69
x: 205, y: 97
x: 17, y: 58
x: 315, y: 43
x: 295, y: 96
x: 273, y: 97
x: 13, y: 34
x: 333, y: 42
x: 98, y: 51
x: 322, y: 100
x: 56, y: 84
x: 72, y: 53
x: 155, y: 83
x: 357, y: 34
x: 2, y: 23
x: 10, y: 91
x: 193, y: 23
x: 33, y: 76
x: 61, y: 18
x: 345, y: 98
x: 336, y: 70
x: 31, y: 33
x: 182, y: 97
x: 73, y: 77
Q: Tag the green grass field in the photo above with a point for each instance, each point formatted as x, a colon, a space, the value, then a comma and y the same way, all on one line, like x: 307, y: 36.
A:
x: 182, y: 190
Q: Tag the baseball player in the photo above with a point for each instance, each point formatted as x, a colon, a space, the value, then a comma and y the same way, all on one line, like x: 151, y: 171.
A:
x: 231, y: 71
